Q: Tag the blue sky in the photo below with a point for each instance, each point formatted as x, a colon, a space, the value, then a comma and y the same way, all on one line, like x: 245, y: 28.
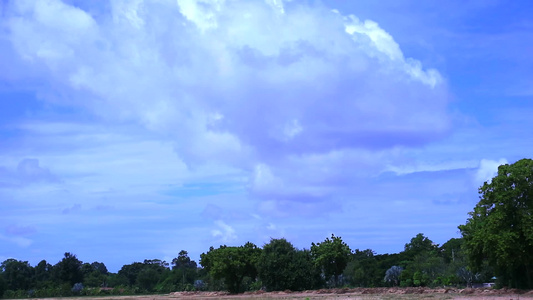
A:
x: 131, y: 130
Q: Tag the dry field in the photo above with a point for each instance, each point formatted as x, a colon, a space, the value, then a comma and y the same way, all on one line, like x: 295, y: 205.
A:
x: 339, y: 294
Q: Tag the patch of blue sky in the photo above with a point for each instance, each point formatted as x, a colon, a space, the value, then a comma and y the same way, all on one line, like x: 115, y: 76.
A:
x: 202, y: 189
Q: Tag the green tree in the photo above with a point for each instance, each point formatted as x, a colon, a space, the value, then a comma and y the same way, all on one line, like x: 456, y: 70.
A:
x: 331, y: 256
x: 500, y: 228
x: 68, y: 270
x: 362, y: 270
x: 418, y: 245
x: 232, y: 264
x: 151, y: 272
x: 282, y: 267
x: 130, y: 272
x: 3, y: 285
x: 17, y: 274
x: 42, y: 274
x: 422, y: 260
x: 184, y: 269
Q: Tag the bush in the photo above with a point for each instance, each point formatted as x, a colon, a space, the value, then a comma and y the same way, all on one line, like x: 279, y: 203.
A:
x: 77, y: 288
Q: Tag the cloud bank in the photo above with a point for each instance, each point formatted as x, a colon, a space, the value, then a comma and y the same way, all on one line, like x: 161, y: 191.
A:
x: 301, y: 98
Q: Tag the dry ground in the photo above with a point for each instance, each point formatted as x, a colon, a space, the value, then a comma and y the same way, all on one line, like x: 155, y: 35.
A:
x: 339, y: 294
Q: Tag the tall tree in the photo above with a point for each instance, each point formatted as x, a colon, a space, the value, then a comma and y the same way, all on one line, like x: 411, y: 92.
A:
x: 232, y: 264
x: 500, y: 228
x: 183, y: 270
x: 68, y: 270
x: 418, y: 245
x: 282, y: 267
x: 362, y: 270
x: 42, y: 274
x: 17, y: 274
x: 332, y: 256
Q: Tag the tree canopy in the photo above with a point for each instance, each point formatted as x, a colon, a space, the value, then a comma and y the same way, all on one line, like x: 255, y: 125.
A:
x: 500, y: 228
x: 232, y: 264
x: 283, y: 267
x: 331, y: 256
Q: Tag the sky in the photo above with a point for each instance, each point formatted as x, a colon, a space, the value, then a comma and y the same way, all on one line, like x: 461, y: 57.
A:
x: 131, y: 130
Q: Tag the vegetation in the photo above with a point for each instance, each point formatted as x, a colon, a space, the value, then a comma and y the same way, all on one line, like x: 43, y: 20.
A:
x: 499, y: 232
x: 497, y: 241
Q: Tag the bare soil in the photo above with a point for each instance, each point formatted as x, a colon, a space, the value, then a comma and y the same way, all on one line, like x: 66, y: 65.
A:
x: 340, y: 294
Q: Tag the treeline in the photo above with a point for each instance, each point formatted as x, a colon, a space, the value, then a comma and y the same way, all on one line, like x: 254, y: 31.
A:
x: 278, y: 265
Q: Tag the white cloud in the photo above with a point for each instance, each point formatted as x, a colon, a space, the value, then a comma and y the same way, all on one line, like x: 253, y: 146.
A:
x: 488, y: 169
x: 224, y: 232
x: 284, y: 92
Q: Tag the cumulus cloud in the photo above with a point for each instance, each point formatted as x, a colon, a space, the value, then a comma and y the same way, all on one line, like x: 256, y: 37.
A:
x: 488, y: 169
x: 224, y: 232
x: 265, y: 86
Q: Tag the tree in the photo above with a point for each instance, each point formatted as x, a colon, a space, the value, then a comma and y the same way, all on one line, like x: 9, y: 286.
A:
x: 68, y: 270
x: 392, y: 275
x: 3, y: 285
x: 42, y: 274
x: 418, y: 245
x: 500, y: 228
x: 183, y: 274
x: 17, y: 274
x: 130, y: 272
x: 282, y: 267
x: 331, y: 256
x: 422, y: 262
x: 232, y: 264
x: 362, y: 270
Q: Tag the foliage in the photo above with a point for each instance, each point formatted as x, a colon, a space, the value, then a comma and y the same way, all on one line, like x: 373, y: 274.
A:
x: 363, y: 269
x: 331, y: 256
x: 77, y: 288
x: 3, y: 286
x: 419, y: 245
x: 500, y: 228
x: 68, y: 270
x: 17, y: 274
x: 392, y: 275
x: 130, y: 272
x: 282, y: 267
x: 232, y: 264
x: 184, y: 272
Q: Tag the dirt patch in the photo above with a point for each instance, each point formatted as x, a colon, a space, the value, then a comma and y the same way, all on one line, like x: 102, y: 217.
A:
x: 417, y: 293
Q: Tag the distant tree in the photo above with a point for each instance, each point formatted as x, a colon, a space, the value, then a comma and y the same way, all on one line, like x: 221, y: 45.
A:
x: 282, y: 267
x: 418, y: 245
x: 42, y: 274
x: 68, y: 270
x: 100, y: 268
x: 94, y: 274
x: 363, y: 269
x: 232, y: 264
x: 130, y: 272
x: 500, y: 228
x: 17, y: 274
x: 331, y: 256
x: 151, y: 273
x: 184, y: 270
x: 148, y: 278
x: 3, y: 285
x: 422, y: 260
x: 392, y: 275
x: 467, y: 276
